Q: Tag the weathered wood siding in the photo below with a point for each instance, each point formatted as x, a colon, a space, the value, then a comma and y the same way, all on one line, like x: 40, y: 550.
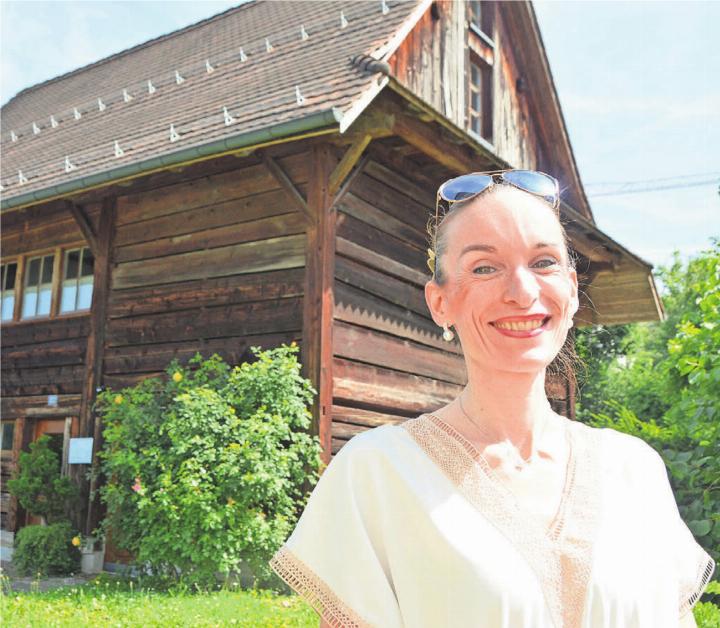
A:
x: 43, y: 356
x: 213, y: 264
x: 390, y: 361
x: 433, y: 62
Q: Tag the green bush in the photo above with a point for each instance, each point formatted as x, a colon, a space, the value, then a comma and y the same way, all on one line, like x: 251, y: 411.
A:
x: 207, y: 469
x: 38, y: 485
x: 46, y: 550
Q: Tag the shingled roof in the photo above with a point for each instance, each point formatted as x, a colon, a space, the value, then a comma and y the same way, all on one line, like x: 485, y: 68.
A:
x: 265, y: 66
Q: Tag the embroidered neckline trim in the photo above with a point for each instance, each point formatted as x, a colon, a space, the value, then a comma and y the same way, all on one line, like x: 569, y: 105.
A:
x: 554, y: 529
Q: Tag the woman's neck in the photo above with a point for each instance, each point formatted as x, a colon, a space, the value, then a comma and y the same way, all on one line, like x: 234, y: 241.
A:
x: 510, y: 406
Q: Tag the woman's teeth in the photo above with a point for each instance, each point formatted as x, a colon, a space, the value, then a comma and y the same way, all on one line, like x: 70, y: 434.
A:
x: 521, y: 326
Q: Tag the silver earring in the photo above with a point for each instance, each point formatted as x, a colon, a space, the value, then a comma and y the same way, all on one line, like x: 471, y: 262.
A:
x: 447, y: 334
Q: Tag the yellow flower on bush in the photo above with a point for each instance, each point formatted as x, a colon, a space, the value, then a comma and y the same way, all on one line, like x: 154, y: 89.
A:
x: 293, y: 344
x: 177, y: 376
x: 118, y: 399
x: 230, y: 501
x: 76, y: 541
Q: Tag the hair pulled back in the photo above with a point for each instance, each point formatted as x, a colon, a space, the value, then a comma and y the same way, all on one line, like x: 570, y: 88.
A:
x: 562, y: 367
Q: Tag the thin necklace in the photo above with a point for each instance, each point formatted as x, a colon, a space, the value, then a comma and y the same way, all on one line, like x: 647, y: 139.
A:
x: 527, y: 460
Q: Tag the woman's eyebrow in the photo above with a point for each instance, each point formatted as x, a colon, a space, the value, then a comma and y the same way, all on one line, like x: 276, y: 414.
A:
x: 488, y: 248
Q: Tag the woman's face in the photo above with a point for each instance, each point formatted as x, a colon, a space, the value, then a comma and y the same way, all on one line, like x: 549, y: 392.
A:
x: 510, y: 294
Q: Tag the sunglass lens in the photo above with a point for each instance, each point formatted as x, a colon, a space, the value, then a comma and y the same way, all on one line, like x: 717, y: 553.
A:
x: 534, y: 182
x: 465, y: 186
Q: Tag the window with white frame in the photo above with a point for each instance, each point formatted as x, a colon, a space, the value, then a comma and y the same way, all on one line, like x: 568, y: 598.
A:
x: 8, y: 275
x: 37, y: 292
x: 480, y: 102
x: 77, y: 285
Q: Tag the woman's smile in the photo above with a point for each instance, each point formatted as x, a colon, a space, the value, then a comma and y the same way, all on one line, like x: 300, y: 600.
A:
x: 522, y: 326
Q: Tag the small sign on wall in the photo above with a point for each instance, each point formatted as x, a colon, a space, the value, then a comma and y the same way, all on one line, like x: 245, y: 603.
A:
x: 80, y: 451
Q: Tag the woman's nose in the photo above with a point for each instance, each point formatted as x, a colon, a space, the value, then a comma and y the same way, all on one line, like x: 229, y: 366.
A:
x: 522, y: 287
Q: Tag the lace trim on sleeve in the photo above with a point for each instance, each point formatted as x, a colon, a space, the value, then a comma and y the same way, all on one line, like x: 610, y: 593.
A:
x: 314, y: 590
x: 691, y: 594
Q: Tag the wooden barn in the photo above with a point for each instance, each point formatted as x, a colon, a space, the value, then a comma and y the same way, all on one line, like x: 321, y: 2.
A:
x: 266, y: 176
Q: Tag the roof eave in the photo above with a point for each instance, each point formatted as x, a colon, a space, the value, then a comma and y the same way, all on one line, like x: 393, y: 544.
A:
x: 326, y: 121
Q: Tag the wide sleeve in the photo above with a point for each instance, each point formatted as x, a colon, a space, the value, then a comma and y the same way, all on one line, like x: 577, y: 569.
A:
x: 335, y: 557
x: 692, y: 564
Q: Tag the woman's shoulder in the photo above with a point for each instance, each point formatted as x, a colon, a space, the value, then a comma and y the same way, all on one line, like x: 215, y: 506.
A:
x: 620, y: 446
x: 384, y: 438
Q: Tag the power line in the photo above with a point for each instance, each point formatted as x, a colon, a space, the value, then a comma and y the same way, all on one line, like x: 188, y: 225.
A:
x: 653, y: 185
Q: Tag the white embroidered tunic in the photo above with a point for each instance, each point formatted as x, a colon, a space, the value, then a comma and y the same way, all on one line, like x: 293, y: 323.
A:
x: 409, y: 527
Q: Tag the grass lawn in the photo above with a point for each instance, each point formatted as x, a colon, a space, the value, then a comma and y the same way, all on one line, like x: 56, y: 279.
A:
x: 109, y: 602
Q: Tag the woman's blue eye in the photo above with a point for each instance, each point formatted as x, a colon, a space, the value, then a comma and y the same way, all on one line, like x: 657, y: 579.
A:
x: 551, y: 261
x: 483, y: 269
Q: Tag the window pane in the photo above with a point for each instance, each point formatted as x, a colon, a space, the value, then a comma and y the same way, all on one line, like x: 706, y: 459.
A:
x: 72, y: 263
x: 47, y: 269
x: 86, y: 292
x: 33, y: 272
x: 475, y: 12
x: 29, y: 301
x: 8, y: 305
x: 8, y: 431
x: 475, y: 75
x: 88, y: 262
x: 44, y: 302
x: 67, y: 299
x: 475, y: 101
x: 10, y: 276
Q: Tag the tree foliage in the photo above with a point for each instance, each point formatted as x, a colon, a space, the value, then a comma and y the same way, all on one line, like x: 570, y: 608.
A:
x: 38, y: 485
x: 206, y: 468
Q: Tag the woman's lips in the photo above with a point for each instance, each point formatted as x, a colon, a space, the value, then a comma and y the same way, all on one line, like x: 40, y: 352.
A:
x: 521, y: 327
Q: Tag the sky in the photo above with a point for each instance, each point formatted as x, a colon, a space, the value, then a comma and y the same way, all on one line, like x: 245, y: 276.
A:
x: 638, y: 83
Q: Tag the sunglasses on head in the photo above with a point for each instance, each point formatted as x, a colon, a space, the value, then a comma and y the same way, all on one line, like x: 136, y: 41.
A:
x: 468, y: 186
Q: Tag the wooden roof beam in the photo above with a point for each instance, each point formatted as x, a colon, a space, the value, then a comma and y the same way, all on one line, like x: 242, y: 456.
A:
x: 430, y: 141
x: 287, y: 185
x: 83, y: 221
x: 347, y: 163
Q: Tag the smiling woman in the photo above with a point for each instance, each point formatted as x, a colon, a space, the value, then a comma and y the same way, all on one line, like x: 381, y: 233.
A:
x: 494, y: 510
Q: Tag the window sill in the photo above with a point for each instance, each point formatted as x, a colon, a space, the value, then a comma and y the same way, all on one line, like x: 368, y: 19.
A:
x: 45, y: 319
x: 475, y: 29
x: 481, y: 140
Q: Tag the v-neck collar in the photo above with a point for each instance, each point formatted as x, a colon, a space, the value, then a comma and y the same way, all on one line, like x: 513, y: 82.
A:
x: 560, y: 555
x: 553, y: 530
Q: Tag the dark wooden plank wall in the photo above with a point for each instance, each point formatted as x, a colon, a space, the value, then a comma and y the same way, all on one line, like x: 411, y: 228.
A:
x: 213, y: 265
x: 390, y: 361
x: 39, y: 357
x: 44, y: 356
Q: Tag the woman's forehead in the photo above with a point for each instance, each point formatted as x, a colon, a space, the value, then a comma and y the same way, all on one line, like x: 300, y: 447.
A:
x: 504, y: 217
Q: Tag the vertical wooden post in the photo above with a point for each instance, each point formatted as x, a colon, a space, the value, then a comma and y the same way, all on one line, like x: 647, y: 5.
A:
x: 316, y: 352
x: 89, y: 425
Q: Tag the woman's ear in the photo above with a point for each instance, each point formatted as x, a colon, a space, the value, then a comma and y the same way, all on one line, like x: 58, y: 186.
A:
x: 435, y: 300
x: 574, y: 299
